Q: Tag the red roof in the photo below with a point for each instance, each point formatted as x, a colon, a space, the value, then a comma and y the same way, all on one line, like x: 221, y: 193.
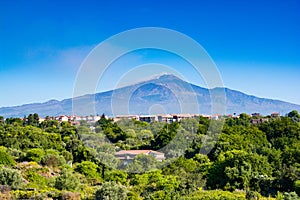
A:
x: 136, y: 152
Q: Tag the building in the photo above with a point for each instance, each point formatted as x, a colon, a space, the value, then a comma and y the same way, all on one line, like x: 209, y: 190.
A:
x: 179, y: 117
x: 255, y: 115
x: 275, y: 114
x: 62, y: 118
x: 148, y: 118
x: 259, y: 121
x: 165, y: 118
x: 120, y: 117
x: 127, y: 156
x: 41, y: 120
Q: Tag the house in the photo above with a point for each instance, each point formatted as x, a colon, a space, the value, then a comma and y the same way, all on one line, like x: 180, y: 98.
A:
x: 148, y: 118
x: 206, y: 116
x: 120, y: 117
x: 62, y: 118
x: 216, y: 117
x: 165, y: 118
x: 259, y: 121
x: 41, y: 120
x: 96, y: 118
x: 77, y: 118
x: 127, y: 156
x: 275, y: 114
x: 179, y: 117
x: 255, y: 115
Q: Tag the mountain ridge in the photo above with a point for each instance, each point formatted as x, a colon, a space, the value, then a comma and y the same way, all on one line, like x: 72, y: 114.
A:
x: 164, y: 92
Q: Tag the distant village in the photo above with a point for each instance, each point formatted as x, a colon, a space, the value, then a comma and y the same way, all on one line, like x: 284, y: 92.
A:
x: 127, y: 156
x: 256, y: 118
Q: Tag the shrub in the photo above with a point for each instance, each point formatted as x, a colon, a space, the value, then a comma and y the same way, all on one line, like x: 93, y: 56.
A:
x: 53, y: 160
x: 6, y: 159
x: 251, y: 195
x: 70, y: 196
x: 67, y: 181
x: 10, y: 177
x: 4, y: 188
x: 112, y: 191
x: 87, y: 168
x: 20, y: 194
x: 215, y: 195
x: 16, y: 154
x: 67, y: 155
x: 117, y: 176
x: 35, y: 154
x: 297, y: 187
x: 35, y: 179
x: 291, y: 196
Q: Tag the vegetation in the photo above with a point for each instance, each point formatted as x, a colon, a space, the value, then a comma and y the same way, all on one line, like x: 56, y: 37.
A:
x: 60, y: 161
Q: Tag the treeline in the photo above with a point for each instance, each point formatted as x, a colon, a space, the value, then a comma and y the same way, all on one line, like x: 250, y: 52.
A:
x: 205, y: 159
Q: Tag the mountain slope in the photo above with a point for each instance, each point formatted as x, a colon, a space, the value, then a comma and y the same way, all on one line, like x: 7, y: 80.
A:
x: 164, y: 94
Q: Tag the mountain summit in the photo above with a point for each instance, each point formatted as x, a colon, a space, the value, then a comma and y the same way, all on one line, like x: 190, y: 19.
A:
x: 163, y: 94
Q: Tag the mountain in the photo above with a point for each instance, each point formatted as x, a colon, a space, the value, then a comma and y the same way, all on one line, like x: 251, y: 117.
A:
x: 163, y: 94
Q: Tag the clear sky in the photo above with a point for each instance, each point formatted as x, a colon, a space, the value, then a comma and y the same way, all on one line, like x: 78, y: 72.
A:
x: 255, y: 44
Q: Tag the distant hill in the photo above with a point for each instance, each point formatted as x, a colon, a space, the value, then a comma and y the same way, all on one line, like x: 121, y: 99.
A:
x: 163, y: 94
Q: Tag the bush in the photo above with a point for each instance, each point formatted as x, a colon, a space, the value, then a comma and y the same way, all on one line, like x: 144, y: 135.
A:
x: 117, y: 176
x: 251, y: 195
x: 67, y: 155
x: 35, y: 154
x: 6, y: 159
x: 215, y: 195
x: 10, y: 177
x: 67, y: 181
x: 70, y: 196
x: 291, y: 196
x: 88, y: 169
x: 297, y: 187
x: 4, y: 188
x: 20, y: 194
x: 53, y: 160
x: 16, y: 154
x: 112, y: 191
x: 36, y: 180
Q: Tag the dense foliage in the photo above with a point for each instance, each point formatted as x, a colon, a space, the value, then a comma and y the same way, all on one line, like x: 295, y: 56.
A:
x: 49, y: 159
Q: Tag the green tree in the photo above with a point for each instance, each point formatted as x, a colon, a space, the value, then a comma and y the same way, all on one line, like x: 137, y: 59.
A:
x: 112, y: 191
x: 188, y: 172
x: 88, y: 169
x: 236, y: 169
x: 142, y: 163
x: 13, y: 121
x: 103, y: 122
x: 155, y: 183
x: 32, y: 119
x: 117, y: 175
x: 294, y: 115
x: 130, y: 133
x: 163, y: 137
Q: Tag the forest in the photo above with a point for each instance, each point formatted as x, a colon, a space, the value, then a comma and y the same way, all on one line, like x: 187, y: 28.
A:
x: 226, y: 159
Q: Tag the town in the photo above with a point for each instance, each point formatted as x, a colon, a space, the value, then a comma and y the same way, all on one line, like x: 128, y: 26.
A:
x: 256, y: 118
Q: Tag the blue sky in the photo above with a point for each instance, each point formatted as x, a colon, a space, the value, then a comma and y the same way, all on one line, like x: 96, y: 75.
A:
x: 255, y: 44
